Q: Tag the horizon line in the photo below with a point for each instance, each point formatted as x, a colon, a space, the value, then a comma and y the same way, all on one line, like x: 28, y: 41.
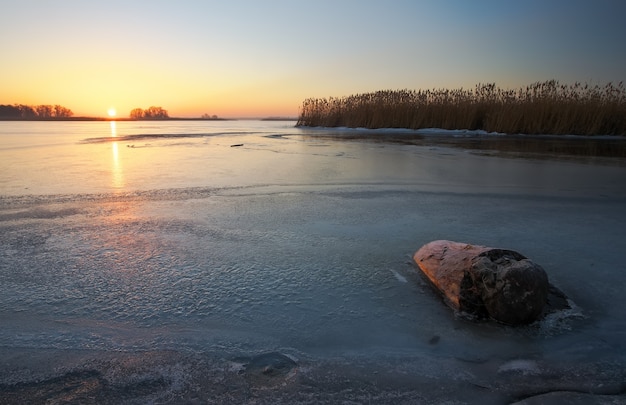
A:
x: 97, y: 118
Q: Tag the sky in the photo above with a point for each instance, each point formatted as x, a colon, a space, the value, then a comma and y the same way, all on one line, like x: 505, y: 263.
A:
x: 255, y: 58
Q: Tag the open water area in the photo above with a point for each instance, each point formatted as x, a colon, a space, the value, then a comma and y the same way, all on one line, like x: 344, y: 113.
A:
x: 253, y: 262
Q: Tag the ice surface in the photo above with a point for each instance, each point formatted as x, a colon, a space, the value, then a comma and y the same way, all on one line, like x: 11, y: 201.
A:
x: 151, y: 266
x: 520, y: 366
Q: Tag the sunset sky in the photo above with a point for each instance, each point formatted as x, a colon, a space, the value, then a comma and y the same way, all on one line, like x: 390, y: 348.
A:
x: 253, y: 58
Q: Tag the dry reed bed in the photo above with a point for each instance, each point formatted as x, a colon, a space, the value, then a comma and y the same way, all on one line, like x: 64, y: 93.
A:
x: 540, y: 108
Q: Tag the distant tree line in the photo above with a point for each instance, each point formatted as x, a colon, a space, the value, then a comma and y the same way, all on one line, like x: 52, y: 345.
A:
x: 27, y: 112
x: 151, y: 113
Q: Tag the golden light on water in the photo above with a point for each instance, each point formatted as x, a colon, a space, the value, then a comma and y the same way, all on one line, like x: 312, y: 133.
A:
x: 116, y: 167
x: 118, y: 173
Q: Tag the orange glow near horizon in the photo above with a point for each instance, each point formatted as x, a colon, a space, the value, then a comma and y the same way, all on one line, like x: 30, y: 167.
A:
x: 238, y: 104
x: 206, y: 62
x: 117, y: 180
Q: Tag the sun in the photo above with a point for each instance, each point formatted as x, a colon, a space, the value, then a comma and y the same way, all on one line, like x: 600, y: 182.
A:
x: 111, y: 112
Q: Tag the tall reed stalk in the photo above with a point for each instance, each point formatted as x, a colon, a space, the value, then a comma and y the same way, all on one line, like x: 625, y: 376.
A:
x: 540, y: 108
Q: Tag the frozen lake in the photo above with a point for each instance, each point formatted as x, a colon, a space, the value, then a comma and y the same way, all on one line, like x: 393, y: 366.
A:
x: 149, y: 261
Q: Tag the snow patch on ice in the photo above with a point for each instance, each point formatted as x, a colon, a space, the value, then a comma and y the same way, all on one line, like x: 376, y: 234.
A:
x: 421, y: 131
x: 399, y: 276
x: 455, y: 132
x: 526, y: 367
x: 460, y: 133
x: 561, y: 321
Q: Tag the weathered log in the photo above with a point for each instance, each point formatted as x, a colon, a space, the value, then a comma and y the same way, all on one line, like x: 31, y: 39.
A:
x: 486, y: 282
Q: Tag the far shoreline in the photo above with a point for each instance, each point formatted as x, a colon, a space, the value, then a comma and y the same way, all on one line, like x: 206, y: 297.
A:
x: 148, y: 119
x: 115, y: 119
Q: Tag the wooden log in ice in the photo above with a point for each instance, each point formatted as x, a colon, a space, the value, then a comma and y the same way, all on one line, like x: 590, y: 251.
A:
x: 486, y: 282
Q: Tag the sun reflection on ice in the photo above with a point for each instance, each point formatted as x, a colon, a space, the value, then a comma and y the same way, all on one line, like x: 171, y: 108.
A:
x: 113, y: 129
x: 116, y: 168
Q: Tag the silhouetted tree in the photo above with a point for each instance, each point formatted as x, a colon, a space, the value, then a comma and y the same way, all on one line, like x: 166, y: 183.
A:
x: 136, y: 114
x: 62, y: 112
x: 44, y: 111
x: 10, y: 111
x: 27, y: 111
x: 21, y: 111
x: 149, y: 114
x: 155, y: 112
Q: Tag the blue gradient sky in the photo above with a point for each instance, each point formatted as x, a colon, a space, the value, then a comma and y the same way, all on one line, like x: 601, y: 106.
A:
x: 257, y: 58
